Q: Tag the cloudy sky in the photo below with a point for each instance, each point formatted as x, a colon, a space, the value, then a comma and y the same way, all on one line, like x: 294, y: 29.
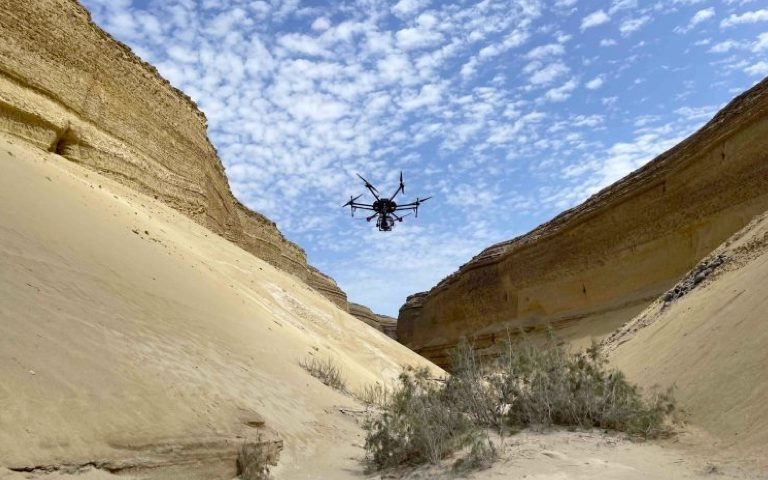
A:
x: 507, y: 112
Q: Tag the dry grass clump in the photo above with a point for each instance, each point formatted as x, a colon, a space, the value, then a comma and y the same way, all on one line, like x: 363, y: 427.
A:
x: 374, y: 395
x: 253, y: 461
x: 528, y: 386
x: 327, y: 371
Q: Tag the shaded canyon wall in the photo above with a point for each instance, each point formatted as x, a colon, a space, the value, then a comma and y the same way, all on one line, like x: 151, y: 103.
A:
x: 382, y: 323
x: 68, y: 87
x: 595, y: 266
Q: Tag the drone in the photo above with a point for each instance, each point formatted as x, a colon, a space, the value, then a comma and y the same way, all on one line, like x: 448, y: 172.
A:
x: 385, y: 208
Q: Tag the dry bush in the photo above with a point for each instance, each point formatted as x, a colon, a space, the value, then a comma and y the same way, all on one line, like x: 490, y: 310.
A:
x: 419, y: 424
x: 253, y: 462
x: 375, y: 395
x: 546, y: 385
x: 527, y: 386
x: 327, y: 371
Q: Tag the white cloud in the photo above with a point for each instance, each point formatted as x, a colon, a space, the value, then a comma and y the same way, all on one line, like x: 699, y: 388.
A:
x: 607, y: 42
x: 759, y: 69
x: 549, y: 73
x: 761, y: 43
x: 408, y: 7
x: 594, y: 19
x: 699, y: 17
x: 321, y: 23
x: 633, y: 24
x: 562, y: 92
x: 595, y: 83
x: 747, y: 17
x: 725, y: 46
x: 542, y: 51
x: 702, y: 16
x: 415, y: 38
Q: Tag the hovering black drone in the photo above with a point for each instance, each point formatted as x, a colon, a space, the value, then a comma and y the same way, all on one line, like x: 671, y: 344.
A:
x: 385, y: 208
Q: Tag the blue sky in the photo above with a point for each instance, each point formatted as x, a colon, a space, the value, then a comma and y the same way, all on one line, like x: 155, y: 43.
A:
x: 507, y: 112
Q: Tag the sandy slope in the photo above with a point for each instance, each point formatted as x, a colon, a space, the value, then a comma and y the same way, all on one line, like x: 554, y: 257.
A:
x: 712, y: 344
x: 127, y: 330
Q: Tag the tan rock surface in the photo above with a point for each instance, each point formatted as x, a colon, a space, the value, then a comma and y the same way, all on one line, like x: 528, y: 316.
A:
x: 133, y: 339
x: 382, y: 323
x: 68, y: 87
x: 596, y: 266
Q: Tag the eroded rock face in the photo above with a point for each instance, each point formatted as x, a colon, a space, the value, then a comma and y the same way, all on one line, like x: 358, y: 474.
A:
x: 595, y: 266
x: 383, y: 323
x: 68, y: 87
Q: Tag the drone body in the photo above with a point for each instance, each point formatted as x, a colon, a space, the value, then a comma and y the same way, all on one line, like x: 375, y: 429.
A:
x: 385, y: 209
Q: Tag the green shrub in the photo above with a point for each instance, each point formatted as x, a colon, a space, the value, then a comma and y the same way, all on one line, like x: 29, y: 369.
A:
x: 544, y: 386
x: 527, y: 386
x: 419, y: 424
x: 326, y: 371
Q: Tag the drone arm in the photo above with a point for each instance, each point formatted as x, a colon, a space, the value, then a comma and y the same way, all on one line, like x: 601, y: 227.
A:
x: 361, y: 206
x: 370, y: 187
x: 401, y: 188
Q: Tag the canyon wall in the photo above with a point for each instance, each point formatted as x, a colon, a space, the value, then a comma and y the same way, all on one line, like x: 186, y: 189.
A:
x: 68, y: 87
x: 382, y: 323
x: 595, y: 266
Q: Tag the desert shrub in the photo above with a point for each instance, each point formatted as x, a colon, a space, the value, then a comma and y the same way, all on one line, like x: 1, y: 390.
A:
x: 419, y: 424
x: 482, y: 453
x: 469, y: 388
x: 327, y: 371
x: 253, y: 461
x: 526, y: 386
x: 540, y: 386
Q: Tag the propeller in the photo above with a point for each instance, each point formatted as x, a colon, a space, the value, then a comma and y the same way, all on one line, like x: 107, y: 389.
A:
x: 352, y: 200
x: 401, y: 188
x: 367, y: 183
x: 418, y: 202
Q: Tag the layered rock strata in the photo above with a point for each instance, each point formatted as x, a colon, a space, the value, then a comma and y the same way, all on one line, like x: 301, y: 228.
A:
x: 68, y: 87
x: 382, y: 323
x: 595, y: 266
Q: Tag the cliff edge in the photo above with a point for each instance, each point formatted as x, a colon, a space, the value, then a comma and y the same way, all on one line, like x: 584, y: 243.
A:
x: 596, y: 266
x: 68, y: 87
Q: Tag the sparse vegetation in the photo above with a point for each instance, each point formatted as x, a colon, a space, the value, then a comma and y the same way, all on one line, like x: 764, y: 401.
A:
x: 253, y: 462
x: 419, y: 424
x: 528, y: 386
x: 327, y: 371
x: 374, y: 395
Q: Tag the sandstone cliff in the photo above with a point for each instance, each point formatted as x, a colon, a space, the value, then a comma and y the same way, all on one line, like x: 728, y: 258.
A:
x: 595, y: 266
x: 68, y: 87
x: 382, y: 323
